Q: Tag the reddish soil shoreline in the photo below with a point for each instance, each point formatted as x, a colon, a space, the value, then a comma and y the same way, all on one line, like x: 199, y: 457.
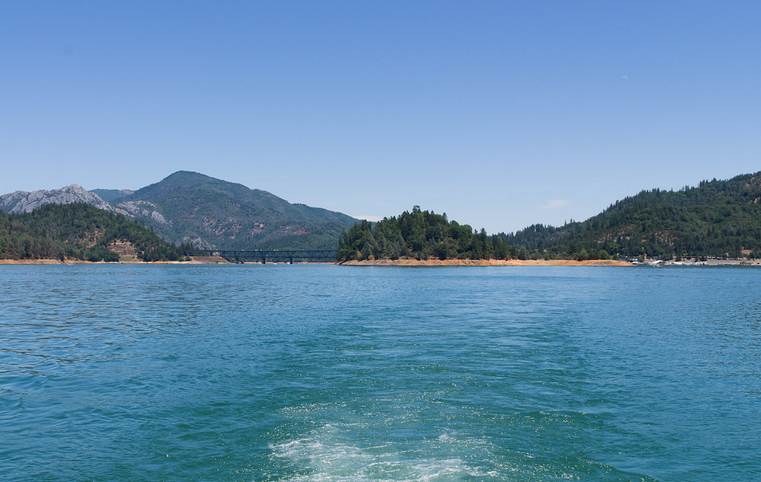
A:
x: 487, y: 262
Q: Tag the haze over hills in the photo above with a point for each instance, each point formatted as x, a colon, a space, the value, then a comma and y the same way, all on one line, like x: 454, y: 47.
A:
x: 112, y: 195
x: 188, y: 207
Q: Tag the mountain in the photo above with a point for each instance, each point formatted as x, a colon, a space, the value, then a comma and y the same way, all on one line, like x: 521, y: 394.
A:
x: 25, y: 202
x: 715, y: 218
x: 79, y: 231
x: 188, y: 207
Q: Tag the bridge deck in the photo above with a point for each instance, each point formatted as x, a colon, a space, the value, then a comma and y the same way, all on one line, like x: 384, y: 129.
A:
x: 264, y: 255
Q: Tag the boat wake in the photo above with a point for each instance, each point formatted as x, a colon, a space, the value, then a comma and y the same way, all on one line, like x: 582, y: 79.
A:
x: 325, y: 455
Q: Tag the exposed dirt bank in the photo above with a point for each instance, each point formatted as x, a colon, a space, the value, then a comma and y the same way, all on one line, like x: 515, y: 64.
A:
x: 198, y: 260
x: 207, y: 260
x: 487, y: 262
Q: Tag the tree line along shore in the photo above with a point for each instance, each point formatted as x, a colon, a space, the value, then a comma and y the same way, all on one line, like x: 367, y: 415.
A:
x: 80, y: 233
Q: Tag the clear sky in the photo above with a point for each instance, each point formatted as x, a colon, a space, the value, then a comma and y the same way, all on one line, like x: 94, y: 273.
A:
x: 500, y: 113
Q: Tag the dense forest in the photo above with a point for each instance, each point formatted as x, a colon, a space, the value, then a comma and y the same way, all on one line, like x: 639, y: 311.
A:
x: 715, y: 218
x: 77, y: 231
x: 419, y: 234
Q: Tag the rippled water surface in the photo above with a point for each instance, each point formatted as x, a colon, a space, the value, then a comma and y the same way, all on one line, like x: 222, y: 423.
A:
x: 337, y: 373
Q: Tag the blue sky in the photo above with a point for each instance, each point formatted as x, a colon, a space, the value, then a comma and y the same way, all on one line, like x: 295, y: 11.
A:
x: 499, y: 113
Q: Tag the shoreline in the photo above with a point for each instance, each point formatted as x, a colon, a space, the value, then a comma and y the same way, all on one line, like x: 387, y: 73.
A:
x: 49, y: 261
x: 405, y: 263
x: 194, y: 261
x: 487, y: 262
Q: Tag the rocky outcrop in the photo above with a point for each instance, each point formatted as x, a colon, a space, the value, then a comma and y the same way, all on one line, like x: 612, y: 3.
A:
x: 141, y: 209
x: 20, y: 202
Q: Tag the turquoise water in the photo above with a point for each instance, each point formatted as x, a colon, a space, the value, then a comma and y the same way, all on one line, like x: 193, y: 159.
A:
x: 337, y: 373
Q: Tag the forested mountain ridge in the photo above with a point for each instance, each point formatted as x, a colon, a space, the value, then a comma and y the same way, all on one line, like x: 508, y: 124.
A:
x: 715, y: 218
x: 79, y: 231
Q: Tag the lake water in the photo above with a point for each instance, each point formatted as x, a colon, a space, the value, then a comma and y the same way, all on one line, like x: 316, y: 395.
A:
x: 336, y: 373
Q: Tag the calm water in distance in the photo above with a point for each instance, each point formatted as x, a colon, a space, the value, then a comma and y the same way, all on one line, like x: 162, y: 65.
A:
x: 336, y: 373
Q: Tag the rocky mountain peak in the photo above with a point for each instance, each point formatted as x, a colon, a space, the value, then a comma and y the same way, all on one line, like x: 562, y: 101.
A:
x: 24, y: 202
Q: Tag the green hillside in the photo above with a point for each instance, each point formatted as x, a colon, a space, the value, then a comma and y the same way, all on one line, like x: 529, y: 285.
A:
x: 716, y: 218
x: 78, y: 231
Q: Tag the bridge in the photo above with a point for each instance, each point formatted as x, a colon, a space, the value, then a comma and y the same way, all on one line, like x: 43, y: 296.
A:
x: 269, y: 255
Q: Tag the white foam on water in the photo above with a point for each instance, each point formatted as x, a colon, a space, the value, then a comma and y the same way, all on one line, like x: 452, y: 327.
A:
x: 325, y: 456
